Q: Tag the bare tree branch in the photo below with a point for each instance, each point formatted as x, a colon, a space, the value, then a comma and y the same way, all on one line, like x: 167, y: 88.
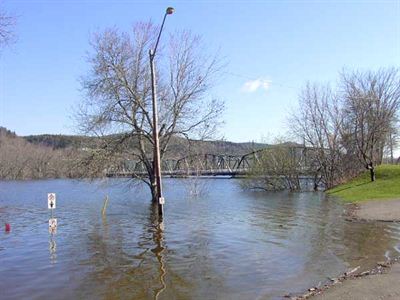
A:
x: 118, y: 95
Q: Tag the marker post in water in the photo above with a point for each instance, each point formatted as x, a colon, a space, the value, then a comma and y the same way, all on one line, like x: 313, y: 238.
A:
x: 51, y: 204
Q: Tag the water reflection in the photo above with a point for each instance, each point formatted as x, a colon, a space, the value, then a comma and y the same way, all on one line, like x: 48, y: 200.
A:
x: 127, y: 262
x: 52, y: 248
x: 225, y: 244
x: 367, y: 243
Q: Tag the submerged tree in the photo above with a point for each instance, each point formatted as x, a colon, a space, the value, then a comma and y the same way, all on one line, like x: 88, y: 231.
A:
x: 118, y: 103
x: 277, y: 167
x: 317, y: 123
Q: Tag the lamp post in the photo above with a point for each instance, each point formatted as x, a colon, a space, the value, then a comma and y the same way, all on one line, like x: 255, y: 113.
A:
x: 156, y: 154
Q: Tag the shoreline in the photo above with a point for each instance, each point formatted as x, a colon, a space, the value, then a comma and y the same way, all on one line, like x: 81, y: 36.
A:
x: 353, y: 285
x: 374, y: 211
x: 364, y: 285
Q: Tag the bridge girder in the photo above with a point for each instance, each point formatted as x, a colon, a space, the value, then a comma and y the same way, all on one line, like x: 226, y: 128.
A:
x: 207, y: 162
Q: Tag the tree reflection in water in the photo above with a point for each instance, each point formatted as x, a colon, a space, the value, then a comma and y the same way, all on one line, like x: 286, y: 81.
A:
x: 128, y: 262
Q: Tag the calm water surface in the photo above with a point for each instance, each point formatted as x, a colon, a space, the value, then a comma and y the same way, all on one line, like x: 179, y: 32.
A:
x: 223, y: 244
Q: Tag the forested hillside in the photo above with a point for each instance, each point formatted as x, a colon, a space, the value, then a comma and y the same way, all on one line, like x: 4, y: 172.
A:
x: 58, y: 156
x: 20, y: 159
x: 179, y: 147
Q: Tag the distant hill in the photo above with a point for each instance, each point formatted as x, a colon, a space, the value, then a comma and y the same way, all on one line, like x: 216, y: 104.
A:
x: 178, y: 146
x: 214, y: 147
x: 59, y: 156
x: 20, y: 159
x: 60, y: 141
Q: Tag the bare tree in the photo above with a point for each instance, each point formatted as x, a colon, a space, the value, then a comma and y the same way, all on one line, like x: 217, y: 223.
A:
x: 371, y: 105
x: 277, y: 167
x: 349, y: 129
x: 118, y: 103
x: 317, y: 122
x: 7, y: 24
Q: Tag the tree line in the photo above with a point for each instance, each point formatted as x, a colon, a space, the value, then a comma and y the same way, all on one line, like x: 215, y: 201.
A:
x: 346, y: 129
x: 20, y: 159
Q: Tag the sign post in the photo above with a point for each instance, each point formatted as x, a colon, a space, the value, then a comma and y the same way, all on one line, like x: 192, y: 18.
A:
x: 53, y: 225
x: 51, y: 204
x: 51, y: 200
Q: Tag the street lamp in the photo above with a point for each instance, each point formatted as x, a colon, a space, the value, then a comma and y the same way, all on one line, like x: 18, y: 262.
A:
x: 156, y: 154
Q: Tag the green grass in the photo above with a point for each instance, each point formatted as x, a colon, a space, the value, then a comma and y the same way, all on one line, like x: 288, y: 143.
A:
x: 385, y: 187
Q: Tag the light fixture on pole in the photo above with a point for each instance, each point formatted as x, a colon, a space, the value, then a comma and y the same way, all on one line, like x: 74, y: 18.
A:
x: 156, y: 154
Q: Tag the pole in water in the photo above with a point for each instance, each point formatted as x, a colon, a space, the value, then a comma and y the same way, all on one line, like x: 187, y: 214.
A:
x: 8, y: 227
x: 103, y: 211
x: 161, y: 202
x: 51, y: 204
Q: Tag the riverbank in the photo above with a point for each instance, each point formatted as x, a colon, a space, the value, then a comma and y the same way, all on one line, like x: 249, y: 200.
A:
x: 372, y: 201
x: 360, y: 189
x: 381, y: 282
x: 369, y: 201
x: 383, y: 285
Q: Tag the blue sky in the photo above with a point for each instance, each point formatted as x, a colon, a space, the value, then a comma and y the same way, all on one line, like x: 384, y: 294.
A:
x: 272, y: 49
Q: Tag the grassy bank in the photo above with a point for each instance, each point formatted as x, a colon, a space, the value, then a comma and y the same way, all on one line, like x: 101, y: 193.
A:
x: 386, y: 186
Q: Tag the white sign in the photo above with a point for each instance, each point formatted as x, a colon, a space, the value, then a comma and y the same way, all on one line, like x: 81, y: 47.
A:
x: 51, y: 200
x: 53, y: 224
x: 161, y: 200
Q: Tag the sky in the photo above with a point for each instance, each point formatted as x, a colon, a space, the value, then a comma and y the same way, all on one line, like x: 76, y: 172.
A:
x: 272, y: 48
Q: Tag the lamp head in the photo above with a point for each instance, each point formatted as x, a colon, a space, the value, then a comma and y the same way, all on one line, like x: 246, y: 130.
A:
x: 170, y: 11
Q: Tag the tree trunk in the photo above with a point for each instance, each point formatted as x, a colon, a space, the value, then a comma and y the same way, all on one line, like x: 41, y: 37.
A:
x: 372, y: 172
x: 153, y: 189
x: 391, y: 148
x: 315, y: 185
x: 153, y: 186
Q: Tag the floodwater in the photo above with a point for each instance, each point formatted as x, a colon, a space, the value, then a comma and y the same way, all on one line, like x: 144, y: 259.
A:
x: 222, y: 244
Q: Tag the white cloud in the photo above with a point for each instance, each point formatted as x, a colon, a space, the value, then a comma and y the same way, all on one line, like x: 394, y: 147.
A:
x: 254, y: 85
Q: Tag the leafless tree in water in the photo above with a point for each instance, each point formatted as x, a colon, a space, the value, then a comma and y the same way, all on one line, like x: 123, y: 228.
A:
x: 317, y: 122
x: 118, y: 103
x: 278, y: 167
x: 195, y: 185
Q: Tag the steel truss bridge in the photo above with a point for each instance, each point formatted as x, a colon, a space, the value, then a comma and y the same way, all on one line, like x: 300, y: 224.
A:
x: 204, y: 165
